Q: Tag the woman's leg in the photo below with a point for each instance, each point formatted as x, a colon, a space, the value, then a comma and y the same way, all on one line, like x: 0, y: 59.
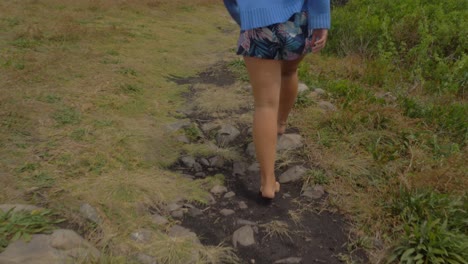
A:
x: 288, y: 94
x: 265, y: 77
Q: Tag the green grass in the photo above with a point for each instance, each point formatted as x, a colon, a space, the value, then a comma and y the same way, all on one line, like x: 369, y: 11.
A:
x: 21, y: 225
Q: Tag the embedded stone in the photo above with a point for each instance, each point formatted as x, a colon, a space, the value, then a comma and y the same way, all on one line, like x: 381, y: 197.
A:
x: 243, y: 236
x: 293, y: 174
x: 289, y: 142
x: 90, y: 213
x: 227, y: 134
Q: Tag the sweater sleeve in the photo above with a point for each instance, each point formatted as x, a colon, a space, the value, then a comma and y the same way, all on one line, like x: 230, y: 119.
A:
x: 319, y: 14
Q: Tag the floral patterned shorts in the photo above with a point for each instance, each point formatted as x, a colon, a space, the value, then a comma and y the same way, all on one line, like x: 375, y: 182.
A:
x: 283, y: 41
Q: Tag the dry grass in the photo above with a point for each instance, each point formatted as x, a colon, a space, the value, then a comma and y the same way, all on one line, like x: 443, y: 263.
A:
x: 212, y: 100
x: 276, y: 229
x: 83, y: 104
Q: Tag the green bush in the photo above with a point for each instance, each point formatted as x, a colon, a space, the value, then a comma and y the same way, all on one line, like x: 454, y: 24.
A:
x: 426, y: 37
x: 434, y: 227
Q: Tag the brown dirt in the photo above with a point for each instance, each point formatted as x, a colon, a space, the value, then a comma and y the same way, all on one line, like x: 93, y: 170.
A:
x: 319, y: 236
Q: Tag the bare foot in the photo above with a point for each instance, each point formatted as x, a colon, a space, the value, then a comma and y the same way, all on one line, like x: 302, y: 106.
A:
x: 281, y: 128
x: 270, y: 193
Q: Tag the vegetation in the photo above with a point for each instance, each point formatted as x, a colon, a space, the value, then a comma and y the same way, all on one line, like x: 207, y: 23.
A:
x: 397, y: 144
x: 22, y: 224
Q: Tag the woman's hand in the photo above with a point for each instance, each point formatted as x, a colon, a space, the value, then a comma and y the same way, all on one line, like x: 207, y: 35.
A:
x: 319, y: 39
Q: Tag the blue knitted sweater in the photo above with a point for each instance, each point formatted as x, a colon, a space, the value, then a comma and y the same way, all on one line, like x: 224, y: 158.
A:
x: 260, y: 13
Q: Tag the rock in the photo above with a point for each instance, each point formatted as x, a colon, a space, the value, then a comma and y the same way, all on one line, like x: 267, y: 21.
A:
x: 90, y: 213
x: 327, y: 106
x: 227, y: 212
x: 243, y: 205
x: 210, y: 199
x: 218, y: 190
x: 173, y: 127
x: 200, y: 175
x: 251, y: 150
x: 289, y: 142
x: 245, y: 222
x: 207, y: 127
x: 204, y: 162
x: 142, y: 235
x: 291, y: 260
x: 197, y: 167
x: 62, y: 246
x: 18, y: 207
x: 217, y: 161
x: 178, y: 213
x: 173, y: 206
x: 188, y: 161
x: 145, y: 259
x: 255, y: 167
x: 247, y: 87
x: 287, y: 195
x: 158, y: 219
x: 243, y: 236
x: 227, y: 134
x: 293, y: 174
x: 194, y: 212
x: 302, y: 88
x: 183, y: 139
x: 320, y: 92
x: 179, y: 231
x: 315, y: 192
x: 239, y: 168
x: 229, y: 195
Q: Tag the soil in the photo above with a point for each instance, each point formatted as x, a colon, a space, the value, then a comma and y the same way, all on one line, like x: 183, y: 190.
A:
x: 318, y: 236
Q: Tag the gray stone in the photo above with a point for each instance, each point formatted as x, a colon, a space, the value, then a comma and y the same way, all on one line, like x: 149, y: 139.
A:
x: 227, y: 134
x: 255, y: 167
x: 197, y: 167
x: 217, y: 161
x: 158, y: 219
x: 239, y: 168
x: 200, y: 175
x: 289, y: 142
x: 229, y: 195
x: 173, y: 127
x: 315, y: 192
x: 291, y: 260
x: 251, y: 150
x: 204, y: 162
x: 227, y: 212
x: 320, y: 91
x: 243, y: 205
x: 62, y: 246
x: 293, y: 174
x: 218, y: 190
x: 18, y: 207
x: 302, y: 88
x: 173, y: 206
x: 145, y: 259
x: 90, y: 213
x: 327, y: 106
x: 142, y: 235
x: 178, y: 213
x: 194, y: 212
x: 183, y: 139
x: 245, y: 222
x: 207, y: 127
x: 179, y: 231
x: 188, y: 161
x: 243, y: 236
x: 210, y: 199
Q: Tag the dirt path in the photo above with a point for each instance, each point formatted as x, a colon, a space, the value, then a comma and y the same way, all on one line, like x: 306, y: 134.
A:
x: 295, y: 228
